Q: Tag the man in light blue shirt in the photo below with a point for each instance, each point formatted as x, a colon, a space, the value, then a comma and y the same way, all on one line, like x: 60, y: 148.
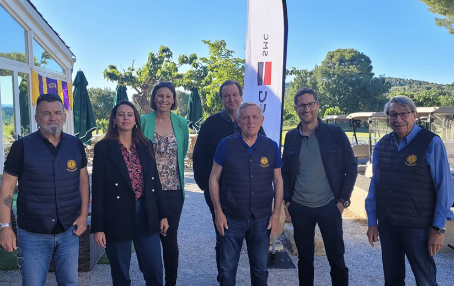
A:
x: 410, y: 196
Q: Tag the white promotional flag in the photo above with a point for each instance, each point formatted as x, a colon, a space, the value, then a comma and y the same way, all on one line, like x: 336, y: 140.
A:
x: 266, y: 51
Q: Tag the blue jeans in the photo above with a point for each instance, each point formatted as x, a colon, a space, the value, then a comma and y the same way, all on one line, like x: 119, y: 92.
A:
x: 398, y: 241
x: 258, y: 243
x: 148, y: 250
x: 37, y: 250
x: 329, y: 220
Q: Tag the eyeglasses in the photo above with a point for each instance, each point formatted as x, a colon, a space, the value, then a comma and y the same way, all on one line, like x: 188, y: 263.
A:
x: 49, y: 97
x: 20, y: 260
x: 309, y: 105
x: 403, y: 115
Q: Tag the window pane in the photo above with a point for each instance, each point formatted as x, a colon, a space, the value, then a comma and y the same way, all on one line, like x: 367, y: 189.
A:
x: 24, y: 92
x: 13, y: 38
x: 43, y: 59
x: 6, y: 89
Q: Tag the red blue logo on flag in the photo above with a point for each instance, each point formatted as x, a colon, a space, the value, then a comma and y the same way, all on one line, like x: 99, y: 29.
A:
x: 264, y: 73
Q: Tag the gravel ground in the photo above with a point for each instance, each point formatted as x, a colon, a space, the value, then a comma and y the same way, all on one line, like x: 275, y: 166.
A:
x: 198, y: 266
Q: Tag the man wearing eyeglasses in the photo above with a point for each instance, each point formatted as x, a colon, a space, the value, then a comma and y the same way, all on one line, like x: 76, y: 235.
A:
x: 319, y: 172
x: 52, y: 204
x: 410, y: 196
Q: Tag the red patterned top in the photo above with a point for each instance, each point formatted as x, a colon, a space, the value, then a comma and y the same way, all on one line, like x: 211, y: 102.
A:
x: 134, y: 168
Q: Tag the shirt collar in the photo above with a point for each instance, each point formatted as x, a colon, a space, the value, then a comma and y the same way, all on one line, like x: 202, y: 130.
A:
x: 300, y: 129
x: 62, y: 136
x: 253, y: 146
x: 414, y: 131
x: 226, y: 116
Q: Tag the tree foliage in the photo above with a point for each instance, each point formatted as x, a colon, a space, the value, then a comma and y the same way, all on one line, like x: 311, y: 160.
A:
x: 333, y: 111
x: 182, y: 99
x: 206, y: 74
x: 159, y: 67
x: 102, y: 100
x: 443, y: 8
x: 220, y: 65
x: 345, y: 79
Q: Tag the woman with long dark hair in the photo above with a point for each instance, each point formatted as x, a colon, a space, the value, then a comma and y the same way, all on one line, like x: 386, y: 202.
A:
x: 128, y: 204
x: 170, y: 136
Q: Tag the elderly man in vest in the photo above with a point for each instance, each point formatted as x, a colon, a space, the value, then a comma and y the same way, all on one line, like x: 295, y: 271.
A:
x: 410, y: 195
x: 52, y: 204
x: 250, y: 167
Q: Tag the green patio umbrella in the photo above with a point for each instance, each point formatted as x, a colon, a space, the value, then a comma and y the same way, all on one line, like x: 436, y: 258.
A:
x: 121, y: 94
x: 84, y: 118
x: 195, y: 111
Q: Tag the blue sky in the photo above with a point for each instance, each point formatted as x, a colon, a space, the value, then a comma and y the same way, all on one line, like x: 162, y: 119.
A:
x: 400, y: 37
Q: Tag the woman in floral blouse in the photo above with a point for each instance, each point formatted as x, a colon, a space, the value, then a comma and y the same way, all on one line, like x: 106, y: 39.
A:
x: 170, y: 136
x: 127, y: 202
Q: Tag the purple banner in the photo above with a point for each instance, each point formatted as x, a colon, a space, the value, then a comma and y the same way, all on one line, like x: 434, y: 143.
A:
x: 52, y: 87
x: 65, y: 94
x: 40, y: 79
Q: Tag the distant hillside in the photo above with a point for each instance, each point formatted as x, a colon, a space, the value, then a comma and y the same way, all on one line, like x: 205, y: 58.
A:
x: 8, y: 109
x: 416, y: 86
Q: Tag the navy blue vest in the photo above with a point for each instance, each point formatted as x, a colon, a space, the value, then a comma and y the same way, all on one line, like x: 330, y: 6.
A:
x: 49, y: 185
x: 247, y: 180
x: 405, y: 193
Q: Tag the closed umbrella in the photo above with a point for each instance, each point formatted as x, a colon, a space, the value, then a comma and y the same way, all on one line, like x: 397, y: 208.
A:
x: 121, y: 94
x: 84, y: 118
x: 195, y: 111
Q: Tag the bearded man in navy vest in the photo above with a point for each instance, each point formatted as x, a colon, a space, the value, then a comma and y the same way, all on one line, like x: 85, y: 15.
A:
x: 410, y: 195
x: 245, y: 177
x: 52, y: 204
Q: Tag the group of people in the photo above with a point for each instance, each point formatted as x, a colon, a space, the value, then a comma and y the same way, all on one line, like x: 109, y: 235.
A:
x: 138, y: 190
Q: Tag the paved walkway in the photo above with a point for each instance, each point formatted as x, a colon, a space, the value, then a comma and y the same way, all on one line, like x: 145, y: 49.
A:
x: 197, y: 259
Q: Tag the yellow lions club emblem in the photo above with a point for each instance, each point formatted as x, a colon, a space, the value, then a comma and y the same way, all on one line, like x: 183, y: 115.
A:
x: 71, y: 165
x: 411, y: 160
x: 264, y: 162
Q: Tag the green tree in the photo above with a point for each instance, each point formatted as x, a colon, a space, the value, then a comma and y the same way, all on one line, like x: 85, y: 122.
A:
x: 102, y: 125
x: 220, y: 65
x: 182, y: 99
x: 333, y: 111
x: 302, y: 78
x: 102, y: 100
x: 159, y: 67
x: 443, y: 8
x: 345, y: 79
x: 21, y: 57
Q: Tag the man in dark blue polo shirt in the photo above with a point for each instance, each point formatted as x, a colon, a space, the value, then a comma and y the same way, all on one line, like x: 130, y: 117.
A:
x: 250, y: 166
x: 52, y: 205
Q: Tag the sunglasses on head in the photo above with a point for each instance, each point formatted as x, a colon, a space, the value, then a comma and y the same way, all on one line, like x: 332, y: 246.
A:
x: 164, y: 84
x: 49, y: 97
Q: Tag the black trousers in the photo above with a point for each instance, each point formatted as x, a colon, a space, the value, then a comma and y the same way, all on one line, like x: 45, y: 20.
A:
x: 218, y: 235
x: 329, y: 220
x: 170, y: 252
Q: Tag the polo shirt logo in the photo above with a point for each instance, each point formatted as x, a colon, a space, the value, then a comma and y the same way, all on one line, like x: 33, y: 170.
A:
x: 264, y: 162
x: 71, y: 165
x: 411, y: 160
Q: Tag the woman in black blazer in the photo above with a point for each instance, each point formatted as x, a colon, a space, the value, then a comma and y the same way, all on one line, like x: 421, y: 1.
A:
x: 127, y: 199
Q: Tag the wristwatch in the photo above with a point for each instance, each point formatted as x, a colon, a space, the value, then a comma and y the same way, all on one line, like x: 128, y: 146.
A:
x: 345, y: 203
x: 440, y: 230
x: 3, y: 225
